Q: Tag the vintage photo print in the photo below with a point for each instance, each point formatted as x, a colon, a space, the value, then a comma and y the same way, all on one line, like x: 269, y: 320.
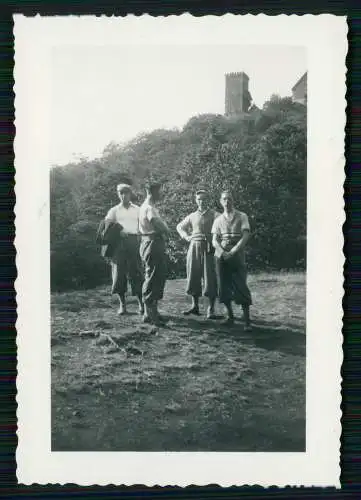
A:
x: 179, y: 187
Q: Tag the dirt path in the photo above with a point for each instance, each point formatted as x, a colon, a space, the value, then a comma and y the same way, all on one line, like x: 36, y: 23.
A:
x: 190, y: 386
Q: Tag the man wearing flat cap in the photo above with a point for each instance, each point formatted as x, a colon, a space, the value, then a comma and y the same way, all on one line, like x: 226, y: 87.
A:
x: 126, y: 264
x: 196, y: 228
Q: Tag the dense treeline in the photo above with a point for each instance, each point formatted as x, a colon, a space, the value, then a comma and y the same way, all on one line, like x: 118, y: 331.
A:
x: 261, y: 157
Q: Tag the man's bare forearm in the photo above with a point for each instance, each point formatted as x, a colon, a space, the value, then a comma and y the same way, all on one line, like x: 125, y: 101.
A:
x: 216, y: 244
x: 182, y: 232
x: 241, y: 244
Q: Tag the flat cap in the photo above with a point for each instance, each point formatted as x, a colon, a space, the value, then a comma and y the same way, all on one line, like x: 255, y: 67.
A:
x: 124, y: 187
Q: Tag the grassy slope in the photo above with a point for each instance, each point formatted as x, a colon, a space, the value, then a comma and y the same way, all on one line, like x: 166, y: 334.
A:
x: 190, y: 386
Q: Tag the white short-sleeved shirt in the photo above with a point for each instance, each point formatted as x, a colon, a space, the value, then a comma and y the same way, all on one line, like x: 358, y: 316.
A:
x: 146, y: 214
x: 127, y: 217
x: 231, y: 228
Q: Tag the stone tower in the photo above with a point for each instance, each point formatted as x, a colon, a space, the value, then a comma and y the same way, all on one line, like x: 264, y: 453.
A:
x: 238, y: 98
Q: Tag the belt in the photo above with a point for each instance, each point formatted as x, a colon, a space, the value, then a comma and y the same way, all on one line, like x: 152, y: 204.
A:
x: 228, y: 241
x: 151, y: 236
x: 199, y: 238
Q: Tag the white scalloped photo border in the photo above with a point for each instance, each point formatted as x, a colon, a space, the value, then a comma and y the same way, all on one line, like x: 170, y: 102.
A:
x: 325, y: 38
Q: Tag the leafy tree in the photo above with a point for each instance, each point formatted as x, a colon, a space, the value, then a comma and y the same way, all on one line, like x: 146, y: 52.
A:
x: 261, y: 157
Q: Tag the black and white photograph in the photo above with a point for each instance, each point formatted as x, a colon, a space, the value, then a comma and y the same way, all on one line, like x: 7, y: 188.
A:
x: 178, y: 248
x: 178, y: 243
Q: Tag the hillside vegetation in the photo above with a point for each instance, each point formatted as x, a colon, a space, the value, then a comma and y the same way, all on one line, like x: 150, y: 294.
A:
x: 261, y: 157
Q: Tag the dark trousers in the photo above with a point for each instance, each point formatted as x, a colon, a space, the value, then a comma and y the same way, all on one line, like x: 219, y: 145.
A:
x: 127, y: 267
x: 152, y: 252
x: 232, y: 281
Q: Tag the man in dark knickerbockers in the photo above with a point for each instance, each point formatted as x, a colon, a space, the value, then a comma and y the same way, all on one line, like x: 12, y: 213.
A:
x: 231, y: 232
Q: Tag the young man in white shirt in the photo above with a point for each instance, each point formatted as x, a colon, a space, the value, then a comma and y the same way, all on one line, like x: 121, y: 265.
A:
x: 154, y: 232
x: 126, y: 264
x: 231, y: 232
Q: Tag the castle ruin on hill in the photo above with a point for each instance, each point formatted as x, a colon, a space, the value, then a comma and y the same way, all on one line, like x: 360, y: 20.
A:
x: 238, y: 99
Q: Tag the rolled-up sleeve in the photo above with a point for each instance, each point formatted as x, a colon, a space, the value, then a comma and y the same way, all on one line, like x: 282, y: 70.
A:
x: 216, y: 230
x: 150, y: 213
x: 184, y: 224
x: 245, y: 223
x: 111, y: 215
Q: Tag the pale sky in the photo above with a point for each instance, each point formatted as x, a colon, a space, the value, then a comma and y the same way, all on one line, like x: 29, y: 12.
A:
x: 112, y: 93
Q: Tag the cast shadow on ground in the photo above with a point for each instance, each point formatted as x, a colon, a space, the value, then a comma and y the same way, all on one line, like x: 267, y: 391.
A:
x: 285, y: 340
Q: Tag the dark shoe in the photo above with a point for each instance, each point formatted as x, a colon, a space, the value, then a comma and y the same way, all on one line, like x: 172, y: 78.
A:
x: 228, y: 322
x: 155, y: 320
x: 211, y: 316
x: 158, y: 321
x: 192, y: 310
x: 122, y: 311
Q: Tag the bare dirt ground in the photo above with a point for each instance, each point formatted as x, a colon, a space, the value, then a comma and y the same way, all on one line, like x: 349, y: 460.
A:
x: 118, y: 385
